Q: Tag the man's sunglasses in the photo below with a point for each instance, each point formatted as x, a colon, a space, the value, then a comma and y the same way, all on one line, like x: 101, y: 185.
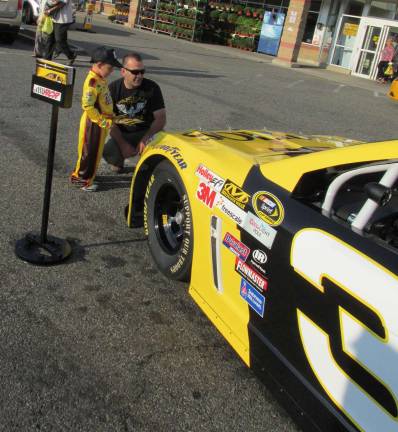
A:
x: 136, y: 71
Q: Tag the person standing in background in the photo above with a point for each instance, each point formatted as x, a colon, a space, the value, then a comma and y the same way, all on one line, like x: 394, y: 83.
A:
x: 62, y: 16
x: 386, y: 57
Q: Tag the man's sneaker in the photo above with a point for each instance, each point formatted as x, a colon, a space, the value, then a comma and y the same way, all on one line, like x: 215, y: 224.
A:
x: 91, y: 188
x: 72, y: 59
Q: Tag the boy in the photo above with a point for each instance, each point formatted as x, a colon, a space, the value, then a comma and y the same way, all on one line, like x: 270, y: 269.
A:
x: 96, y: 119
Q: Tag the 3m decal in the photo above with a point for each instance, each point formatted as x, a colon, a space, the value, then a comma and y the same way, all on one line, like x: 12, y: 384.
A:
x: 209, y: 177
x: 249, y: 274
x: 236, y: 246
x: 235, y: 194
x: 206, y: 194
x: 268, y: 208
x: 371, y: 288
x: 254, y: 299
x: 175, y: 153
x: 259, y: 230
x: 231, y: 210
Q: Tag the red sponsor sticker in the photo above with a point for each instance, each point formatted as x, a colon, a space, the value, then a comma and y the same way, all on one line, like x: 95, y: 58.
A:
x: 251, y: 275
x: 236, y: 246
x: 206, y: 194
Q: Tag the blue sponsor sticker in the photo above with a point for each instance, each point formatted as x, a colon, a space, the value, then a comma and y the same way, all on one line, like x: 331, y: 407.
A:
x: 255, y: 300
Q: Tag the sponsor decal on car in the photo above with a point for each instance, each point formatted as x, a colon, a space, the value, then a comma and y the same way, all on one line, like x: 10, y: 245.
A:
x: 206, y: 194
x: 174, y: 152
x: 254, y: 299
x: 249, y: 274
x: 231, y: 210
x: 261, y: 231
x: 209, y: 177
x: 268, y: 208
x: 257, y: 259
x: 46, y: 92
x: 236, y: 246
x: 235, y: 194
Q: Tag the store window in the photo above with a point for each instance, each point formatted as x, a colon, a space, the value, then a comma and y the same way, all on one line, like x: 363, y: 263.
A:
x: 382, y: 9
x: 312, y: 19
x: 355, y: 7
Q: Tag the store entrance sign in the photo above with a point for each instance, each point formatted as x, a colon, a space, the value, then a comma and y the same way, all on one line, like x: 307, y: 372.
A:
x: 350, y: 29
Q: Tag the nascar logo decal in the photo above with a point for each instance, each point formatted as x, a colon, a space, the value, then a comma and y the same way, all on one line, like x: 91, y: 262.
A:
x: 235, y: 194
x: 268, y: 208
x: 209, y: 177
x: 236, y: 246
x: 46, y: 92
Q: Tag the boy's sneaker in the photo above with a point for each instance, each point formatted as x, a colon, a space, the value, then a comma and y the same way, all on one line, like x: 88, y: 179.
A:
x: 91, y: 188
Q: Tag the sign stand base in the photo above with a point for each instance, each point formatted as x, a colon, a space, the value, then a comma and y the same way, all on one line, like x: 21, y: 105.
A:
x: 33, y: 250
x: 42, y: 248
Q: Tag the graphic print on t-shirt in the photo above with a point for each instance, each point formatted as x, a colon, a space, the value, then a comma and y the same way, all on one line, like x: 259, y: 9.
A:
x: 132, y: 109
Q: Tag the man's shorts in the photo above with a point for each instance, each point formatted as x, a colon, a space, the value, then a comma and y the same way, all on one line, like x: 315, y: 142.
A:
x: 112, y: 152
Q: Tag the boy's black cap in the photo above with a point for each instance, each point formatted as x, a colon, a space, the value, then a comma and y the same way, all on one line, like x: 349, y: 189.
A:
x: 105, y: 55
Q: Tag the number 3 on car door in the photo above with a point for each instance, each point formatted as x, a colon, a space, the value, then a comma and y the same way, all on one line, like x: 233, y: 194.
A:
x: 315, y: 255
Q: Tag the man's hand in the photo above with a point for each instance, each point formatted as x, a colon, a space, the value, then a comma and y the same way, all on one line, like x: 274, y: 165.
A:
x: 141, y: 147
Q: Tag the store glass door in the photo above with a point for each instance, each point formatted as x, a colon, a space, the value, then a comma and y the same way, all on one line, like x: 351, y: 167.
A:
x: 370, y: 37
x: 347, y: 35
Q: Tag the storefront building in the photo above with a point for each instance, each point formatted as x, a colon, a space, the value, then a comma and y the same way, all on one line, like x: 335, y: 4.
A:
x: 344, y: 35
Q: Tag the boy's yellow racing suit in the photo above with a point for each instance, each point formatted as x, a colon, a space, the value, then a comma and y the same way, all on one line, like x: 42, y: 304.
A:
x: 94, y: 124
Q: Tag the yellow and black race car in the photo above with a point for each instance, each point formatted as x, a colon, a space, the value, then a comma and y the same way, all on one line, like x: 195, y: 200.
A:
x: 290, y: 245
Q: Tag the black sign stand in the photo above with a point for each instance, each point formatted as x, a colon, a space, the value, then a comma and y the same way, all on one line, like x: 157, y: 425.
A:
x: 42, y: 248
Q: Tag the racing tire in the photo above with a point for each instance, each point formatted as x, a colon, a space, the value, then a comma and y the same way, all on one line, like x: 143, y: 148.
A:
x: 168, y: 222
x: 27, y: 14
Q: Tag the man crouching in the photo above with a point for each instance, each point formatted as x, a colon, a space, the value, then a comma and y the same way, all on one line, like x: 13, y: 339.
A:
x: 139, y: 109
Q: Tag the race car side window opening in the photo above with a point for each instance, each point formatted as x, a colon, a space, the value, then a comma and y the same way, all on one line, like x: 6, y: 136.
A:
x: 351, y: 197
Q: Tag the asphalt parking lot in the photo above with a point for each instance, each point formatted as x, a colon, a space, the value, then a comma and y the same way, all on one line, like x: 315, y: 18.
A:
x: 104, y: 342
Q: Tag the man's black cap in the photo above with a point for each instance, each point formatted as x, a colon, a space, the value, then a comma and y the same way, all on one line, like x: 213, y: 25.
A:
x: 105, y: 55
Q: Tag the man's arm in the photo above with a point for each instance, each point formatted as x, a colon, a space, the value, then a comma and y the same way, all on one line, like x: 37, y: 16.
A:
x: 51, y: 10
x: 159, y: 122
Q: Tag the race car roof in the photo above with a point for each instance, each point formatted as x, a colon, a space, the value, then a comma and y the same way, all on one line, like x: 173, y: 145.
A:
x: 284, y: 158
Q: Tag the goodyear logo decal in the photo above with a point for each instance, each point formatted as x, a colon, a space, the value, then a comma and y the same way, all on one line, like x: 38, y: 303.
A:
x: 268, y: 208
x: 235, y: 194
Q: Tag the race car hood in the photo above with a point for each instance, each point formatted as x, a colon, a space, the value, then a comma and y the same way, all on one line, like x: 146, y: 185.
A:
x: 283, y: 158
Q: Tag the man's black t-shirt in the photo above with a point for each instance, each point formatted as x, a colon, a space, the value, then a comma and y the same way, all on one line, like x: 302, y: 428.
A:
x: 135, y: 107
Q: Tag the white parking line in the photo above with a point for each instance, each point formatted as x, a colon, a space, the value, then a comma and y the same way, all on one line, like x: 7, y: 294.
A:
x: 336, y: 90
x: 376, y: 94
x: 294, y: 83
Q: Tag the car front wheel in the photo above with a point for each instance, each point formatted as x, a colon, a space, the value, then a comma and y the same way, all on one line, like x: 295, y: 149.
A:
x: 168, y: 222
